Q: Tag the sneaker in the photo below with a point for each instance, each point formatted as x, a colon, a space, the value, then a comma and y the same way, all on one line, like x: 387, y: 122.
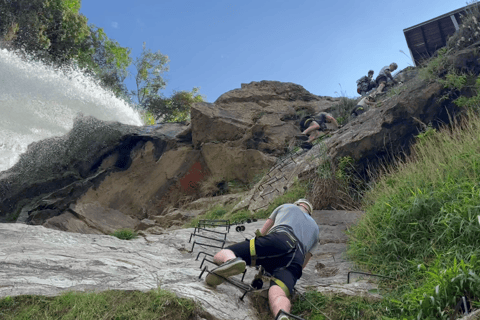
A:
x: 282, y: 316
x: 302, y: 137
x: 306, y: 145
x: 230, y: 268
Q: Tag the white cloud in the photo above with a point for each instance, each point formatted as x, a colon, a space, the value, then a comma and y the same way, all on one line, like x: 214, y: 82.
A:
x: 115, y: 24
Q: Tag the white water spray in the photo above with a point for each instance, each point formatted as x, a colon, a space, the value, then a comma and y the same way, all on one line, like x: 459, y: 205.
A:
x: 39, y: 102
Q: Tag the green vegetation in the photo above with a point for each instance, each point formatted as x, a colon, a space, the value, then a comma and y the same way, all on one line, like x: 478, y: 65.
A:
x: 125, y: 234
x: 433, y: 196
x: 344, y: 108
x: 298, y: 190
x: 150, y: 67
x: 55, y: 32
x: 155, y: 304
x: 336, y: 307
x: 464, y: 88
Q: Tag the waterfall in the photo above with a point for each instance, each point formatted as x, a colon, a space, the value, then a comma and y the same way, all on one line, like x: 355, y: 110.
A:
x: 38, y: 102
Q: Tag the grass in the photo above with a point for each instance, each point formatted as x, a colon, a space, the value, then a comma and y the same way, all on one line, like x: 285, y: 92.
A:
x: 336, y: 306
x: 421, y: 222
x: 344, y: 107
x: 298, y: 190
x: 154, y: 304
x: 125, y: 234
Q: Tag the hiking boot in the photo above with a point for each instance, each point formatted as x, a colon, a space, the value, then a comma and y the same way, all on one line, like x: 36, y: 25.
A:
x: 230, y: 268
x: 302, y: 137
x: 306, y: 145
x: 282, y: 315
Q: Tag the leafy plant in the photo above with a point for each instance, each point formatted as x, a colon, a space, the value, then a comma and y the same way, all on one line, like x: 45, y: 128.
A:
x: 318, y: 306
x: 154, y: 304
x: 125, y: 234
x: 343, y: 108
x: 424, y: 212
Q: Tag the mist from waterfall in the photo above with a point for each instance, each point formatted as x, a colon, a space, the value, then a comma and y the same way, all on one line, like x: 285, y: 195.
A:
x: 38, y: 101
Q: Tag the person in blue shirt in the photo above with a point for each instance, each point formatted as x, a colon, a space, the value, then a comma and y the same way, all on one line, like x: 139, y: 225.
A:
x: 283, y: 247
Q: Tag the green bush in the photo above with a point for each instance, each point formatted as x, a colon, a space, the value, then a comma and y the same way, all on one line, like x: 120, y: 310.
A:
x: 316, y: 306
x: 154, y: 304
x: 424, y: 212
x: 125, y: 234
x: 344, y: 108
x: 441, y: 290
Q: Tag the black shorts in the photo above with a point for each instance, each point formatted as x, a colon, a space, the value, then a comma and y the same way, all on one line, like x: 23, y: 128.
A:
x: 358, y: 110
x: 381, y: 79
x: 269, y: 245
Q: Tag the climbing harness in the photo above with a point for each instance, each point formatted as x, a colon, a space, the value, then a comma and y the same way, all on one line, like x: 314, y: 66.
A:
x: 293, y: 248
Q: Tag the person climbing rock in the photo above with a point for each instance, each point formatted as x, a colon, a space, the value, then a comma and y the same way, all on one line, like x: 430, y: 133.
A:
x: 282, y: 247
x: 312, y: 126
x: 363, y: 105
x: 384, y: 75
x: 365, y: 83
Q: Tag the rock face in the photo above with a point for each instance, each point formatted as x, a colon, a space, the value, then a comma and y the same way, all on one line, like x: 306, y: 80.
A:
x: 391, y: 127
x: 100, y: 177
x: 42, y: 261
x: 260, y: 115
x: 104, y: 176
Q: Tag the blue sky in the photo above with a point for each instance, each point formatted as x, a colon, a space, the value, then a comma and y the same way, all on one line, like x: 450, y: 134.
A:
x: 217, y: 45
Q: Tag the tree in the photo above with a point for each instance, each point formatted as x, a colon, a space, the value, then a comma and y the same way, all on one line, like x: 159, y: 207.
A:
x: 107, y: 60
x: 55, y: 31
x: 150, y: 67
x: 176, y: 108
x: 51, y: 29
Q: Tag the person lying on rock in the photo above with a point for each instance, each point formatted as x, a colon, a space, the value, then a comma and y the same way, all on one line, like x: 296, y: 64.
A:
x: 365, y: 83
x: 313, y: 126
x: 283, y: 247
x: 363, y: 105
x: 384, y: 75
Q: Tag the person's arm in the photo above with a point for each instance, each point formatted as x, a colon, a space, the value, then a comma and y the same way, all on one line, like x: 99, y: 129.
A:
x: 370, y: 103
x: 389, y: 74
x: 307, y: 258
x: 266, y: 226
x: 312, y: 127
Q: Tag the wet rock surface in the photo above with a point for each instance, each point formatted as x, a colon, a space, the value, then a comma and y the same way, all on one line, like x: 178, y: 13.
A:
x: 42, y: 261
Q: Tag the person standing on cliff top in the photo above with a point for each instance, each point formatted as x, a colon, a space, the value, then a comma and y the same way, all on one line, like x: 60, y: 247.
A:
x: 283, y: 247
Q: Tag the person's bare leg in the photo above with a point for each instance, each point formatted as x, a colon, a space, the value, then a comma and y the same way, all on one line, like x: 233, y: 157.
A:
x: 278, y: 300
x: 313, y: 135
x: 380, y: 87
x: 223, y: 256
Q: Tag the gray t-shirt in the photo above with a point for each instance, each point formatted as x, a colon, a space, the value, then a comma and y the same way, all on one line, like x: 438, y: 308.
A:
x: 292, y: 219
x: 384, y: 74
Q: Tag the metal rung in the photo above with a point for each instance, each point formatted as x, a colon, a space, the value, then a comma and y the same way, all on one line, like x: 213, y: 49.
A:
x: 266, y: 194
x: 205, y: 253
x: 205, y: 259
x: 207, y: 245
x: 198, y: 228
x: 210, y: 238
x: 367, y: 274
